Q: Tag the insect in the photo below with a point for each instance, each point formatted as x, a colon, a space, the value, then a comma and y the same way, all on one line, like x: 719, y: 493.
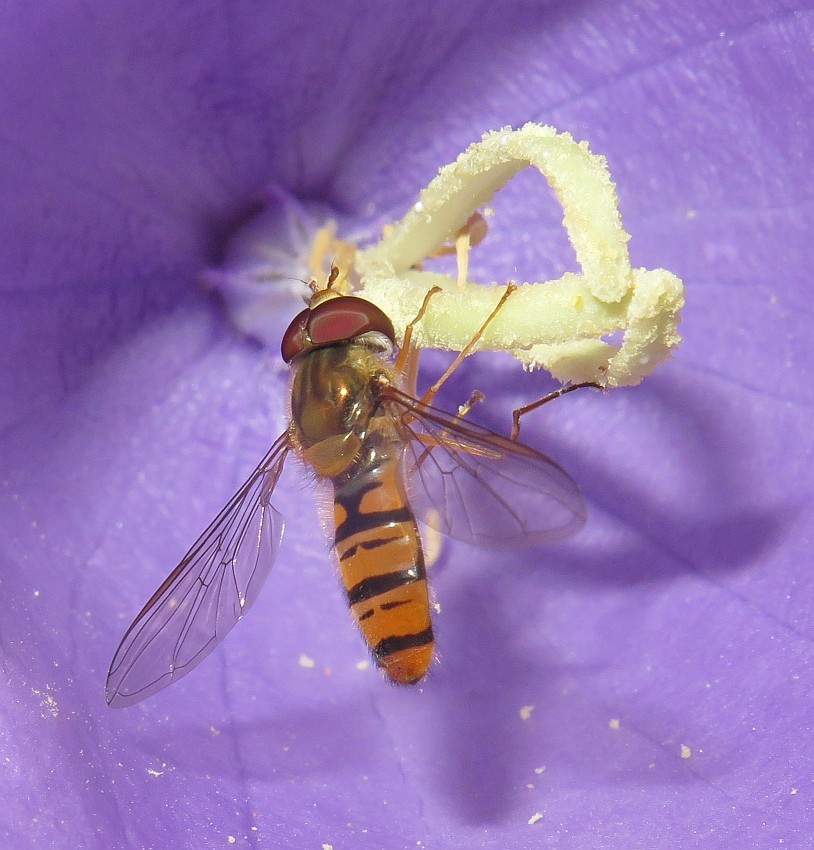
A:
x: 389, y: 458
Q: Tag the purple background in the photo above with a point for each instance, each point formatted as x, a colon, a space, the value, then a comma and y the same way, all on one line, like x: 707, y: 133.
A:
x: 135, y: 139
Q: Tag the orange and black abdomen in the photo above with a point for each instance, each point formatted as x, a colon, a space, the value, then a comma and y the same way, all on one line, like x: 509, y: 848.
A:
x: 340, y: 431
x: 382, y: 566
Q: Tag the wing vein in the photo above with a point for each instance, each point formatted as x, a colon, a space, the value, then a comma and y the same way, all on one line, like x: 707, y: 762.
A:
x: 207, y: 593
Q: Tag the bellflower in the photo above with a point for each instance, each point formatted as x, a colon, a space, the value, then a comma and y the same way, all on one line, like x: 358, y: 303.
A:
x: 646, y: 683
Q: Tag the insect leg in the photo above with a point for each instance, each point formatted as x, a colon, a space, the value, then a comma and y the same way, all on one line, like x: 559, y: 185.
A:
x: 477, y: 396
x: 431, y: 441
x: 431, y: 392
x: 405, y: 351
x: 527, y: 408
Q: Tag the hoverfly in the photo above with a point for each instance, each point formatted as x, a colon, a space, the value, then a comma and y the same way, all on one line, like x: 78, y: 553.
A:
x: 389, y: 458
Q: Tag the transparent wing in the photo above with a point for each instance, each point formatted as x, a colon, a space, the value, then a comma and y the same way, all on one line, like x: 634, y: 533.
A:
x: 206, y: 594
x: 479, y: 487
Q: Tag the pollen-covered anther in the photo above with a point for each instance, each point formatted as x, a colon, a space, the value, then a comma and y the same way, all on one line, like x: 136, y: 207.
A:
x: 609, y: 323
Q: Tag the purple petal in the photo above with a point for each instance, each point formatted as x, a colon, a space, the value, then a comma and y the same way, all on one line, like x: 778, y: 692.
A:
x: 135, y: 142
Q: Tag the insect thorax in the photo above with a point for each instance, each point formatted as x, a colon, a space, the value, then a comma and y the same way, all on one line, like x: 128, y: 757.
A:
x: 333, y: 402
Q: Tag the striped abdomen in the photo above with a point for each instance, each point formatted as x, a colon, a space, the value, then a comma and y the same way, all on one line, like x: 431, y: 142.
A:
x: 382, y: 567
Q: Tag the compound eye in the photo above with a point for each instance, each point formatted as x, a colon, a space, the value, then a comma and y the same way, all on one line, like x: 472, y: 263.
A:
x: 294, y: 339
x: 344, y: 319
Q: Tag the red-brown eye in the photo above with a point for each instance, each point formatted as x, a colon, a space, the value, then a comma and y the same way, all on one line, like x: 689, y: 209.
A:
x: 294, y: 338
x: 343, y: 319
x: 333, y: 321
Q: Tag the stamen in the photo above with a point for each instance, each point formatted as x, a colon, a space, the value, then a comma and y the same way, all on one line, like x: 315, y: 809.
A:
x: 560, y: 325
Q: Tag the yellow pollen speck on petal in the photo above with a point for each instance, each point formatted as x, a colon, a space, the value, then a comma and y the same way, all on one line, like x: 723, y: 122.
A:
x: 686, y: 752
x: 525, y: 712
x: 537, y: 816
